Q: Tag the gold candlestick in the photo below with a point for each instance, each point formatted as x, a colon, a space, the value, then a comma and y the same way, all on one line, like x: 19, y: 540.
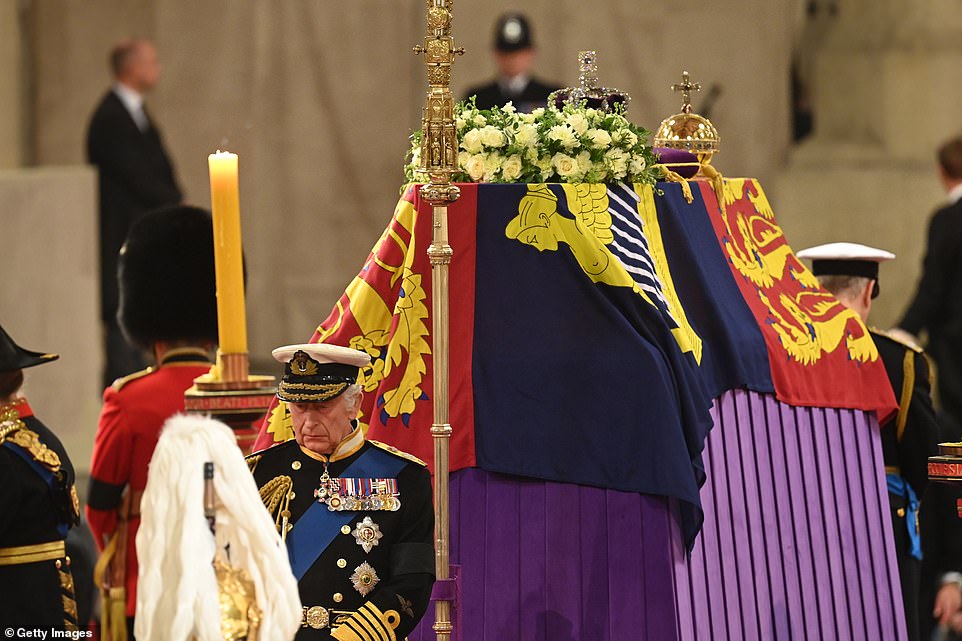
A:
x: 439, y: 157
x: 229, y: 392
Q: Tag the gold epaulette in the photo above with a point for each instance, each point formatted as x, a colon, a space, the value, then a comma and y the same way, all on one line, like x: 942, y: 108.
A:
x: 118, y: 384
x: 252, y: 461
x: 395, y: 451
x: 904, y: 343
x: 17, y: 433
x: 9, y: 427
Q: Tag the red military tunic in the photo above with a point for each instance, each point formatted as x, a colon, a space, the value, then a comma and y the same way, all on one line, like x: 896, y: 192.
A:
x: 134, y: 410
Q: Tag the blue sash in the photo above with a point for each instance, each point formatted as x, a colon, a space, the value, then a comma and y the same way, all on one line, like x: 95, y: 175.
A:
x: 318, y: 526
x: 900, y: 487
x: 47, y: 476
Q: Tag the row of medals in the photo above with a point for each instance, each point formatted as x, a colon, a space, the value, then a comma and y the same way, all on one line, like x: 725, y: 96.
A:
x: 330, y: 494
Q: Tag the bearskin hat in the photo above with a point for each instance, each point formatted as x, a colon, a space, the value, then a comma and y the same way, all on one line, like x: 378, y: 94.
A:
x: 168, y: 290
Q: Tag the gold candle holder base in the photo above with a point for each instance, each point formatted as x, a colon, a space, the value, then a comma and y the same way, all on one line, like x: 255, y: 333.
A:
x: 232, y: 395
x: 947, y: 466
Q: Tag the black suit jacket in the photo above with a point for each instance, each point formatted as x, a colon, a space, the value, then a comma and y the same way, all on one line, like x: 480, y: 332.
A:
x: 937, y: 305
x: 534, y: 95
x: 135, y: 176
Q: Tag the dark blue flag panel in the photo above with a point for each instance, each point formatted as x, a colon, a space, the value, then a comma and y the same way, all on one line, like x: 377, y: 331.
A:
x: 577, y: 375
x: 734, y: 352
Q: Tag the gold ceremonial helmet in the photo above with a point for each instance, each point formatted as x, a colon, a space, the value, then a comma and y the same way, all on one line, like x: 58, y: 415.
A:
x: 688, y: 131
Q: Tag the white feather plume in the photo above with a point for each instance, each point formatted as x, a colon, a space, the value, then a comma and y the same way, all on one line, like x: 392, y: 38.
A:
x: 177, y: 589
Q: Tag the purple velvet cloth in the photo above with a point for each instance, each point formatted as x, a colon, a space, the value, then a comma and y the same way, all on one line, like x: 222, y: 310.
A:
x: 795, y: 543
x: 671, y: 158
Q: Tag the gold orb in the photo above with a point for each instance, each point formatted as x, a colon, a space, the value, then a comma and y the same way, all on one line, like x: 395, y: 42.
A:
x: 690, y: 132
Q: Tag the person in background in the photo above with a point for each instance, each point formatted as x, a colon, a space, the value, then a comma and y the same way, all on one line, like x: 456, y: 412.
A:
x: 167, y: 306
x: 135, y: 176
x: 38, y: 506
x: 937, y: 305
x: 514, y: 54
x: 850, y: 272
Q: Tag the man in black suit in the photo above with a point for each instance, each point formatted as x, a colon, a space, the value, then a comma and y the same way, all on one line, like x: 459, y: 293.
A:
x: 514, y: 55
x: 937, y: 306
x: 136, y: 176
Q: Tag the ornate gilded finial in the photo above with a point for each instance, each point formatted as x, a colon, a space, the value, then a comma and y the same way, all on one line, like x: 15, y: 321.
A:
x: 686, y: 87
x: 439, y: 141
x: 588, y: 92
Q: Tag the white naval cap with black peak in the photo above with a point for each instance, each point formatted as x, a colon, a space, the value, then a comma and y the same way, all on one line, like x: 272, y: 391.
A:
x: 846, y: 259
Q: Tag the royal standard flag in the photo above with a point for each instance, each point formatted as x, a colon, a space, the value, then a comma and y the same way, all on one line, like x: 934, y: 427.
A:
x: 590, y: 326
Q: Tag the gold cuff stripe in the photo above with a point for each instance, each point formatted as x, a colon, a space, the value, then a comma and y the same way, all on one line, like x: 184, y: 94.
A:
x: 356, y: 629
x: 32, y: 553
x: 905, y: 399
x: 374, y: 613
x: 370, y: 630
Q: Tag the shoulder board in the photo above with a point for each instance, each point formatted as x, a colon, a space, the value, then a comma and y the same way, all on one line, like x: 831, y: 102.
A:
x: 895, y: 339
x: 252, y: 461
x: 9, y: 427
x: 29, y: 441
x: 118, y: 384
x: 396, y: 452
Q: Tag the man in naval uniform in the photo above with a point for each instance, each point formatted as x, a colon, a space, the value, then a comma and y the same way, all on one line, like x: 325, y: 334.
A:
x: 38, y: 505
x: 168, y: 307
x: 356, y: 515
x: 514, y: 54
x: 850, y: 271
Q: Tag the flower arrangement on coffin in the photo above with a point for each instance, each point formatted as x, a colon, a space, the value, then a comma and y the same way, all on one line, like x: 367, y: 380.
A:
x: 575, y: 144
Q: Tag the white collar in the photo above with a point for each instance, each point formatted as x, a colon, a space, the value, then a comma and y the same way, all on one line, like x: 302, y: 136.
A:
x: 514, y: 86
x: 132, y: 99
x: 955, y: 194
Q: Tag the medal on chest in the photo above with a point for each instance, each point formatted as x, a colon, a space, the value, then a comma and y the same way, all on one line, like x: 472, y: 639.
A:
x: 357, y: 494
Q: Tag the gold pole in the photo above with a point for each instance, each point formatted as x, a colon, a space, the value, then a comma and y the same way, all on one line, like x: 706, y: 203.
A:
x: 439, y: 152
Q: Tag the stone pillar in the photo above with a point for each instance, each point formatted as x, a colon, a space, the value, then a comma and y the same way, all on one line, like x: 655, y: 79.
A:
x: 885, y: 96
x: 11, y: 87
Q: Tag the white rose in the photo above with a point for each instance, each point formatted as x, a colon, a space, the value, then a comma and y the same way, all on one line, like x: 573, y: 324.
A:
x: 599, y: 138
x: 492, y: 137
x: 630, y: 138
x: 480, y: 120
x: 584, y: 161
x: 564, y: 135
x: 511, y: 167
x: 577, y: 122
x: 459, y: 123
x: 545, y: 165
x: 638, y: 164
x: 617, y: 136
x: 475, y: 167
x: 566, y: 166
x: 463, y: 158
x: 527, y: 136
x: 492, y: 164
x: 537, y: 113
x: 471, y: 142
x: 526, y: 118
x: 617, y: 162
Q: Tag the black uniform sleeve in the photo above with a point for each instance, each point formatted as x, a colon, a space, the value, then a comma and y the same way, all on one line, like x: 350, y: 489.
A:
x: 919, y: 440
x: 398, y: 603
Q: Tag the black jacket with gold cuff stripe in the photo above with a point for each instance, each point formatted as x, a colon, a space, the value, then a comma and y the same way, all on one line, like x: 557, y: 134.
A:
x: 373, y: 574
